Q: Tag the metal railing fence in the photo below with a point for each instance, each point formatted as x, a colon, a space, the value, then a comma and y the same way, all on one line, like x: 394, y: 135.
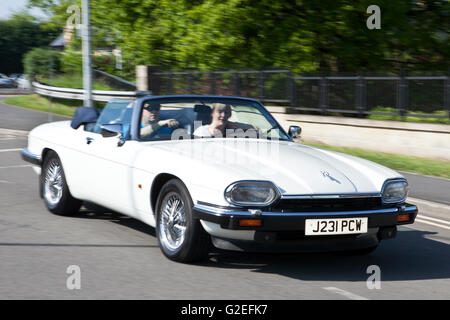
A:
x: 421, y: 96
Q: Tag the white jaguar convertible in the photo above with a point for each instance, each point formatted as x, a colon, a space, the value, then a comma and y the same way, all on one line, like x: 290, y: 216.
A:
x: 216, y: 171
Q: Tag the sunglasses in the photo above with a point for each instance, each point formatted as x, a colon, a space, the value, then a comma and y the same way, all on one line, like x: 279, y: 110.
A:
x: 152, y: 108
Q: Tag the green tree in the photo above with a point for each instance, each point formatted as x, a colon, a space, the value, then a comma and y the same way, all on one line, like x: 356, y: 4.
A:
x: 40, y: 61
x: 326, y: 35
x: 18, y: 35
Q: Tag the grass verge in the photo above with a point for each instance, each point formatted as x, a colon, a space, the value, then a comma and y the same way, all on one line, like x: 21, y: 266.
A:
x: 72, y: 81
x: 410, y: 118
x: 418, y: 165
x: 62, y: 107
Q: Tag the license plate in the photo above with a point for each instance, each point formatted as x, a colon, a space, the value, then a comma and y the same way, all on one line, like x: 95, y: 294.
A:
x: 314, y: 227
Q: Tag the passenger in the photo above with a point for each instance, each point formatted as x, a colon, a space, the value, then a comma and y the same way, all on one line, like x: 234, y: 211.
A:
x: 150, y: 123
x: 219, y: 122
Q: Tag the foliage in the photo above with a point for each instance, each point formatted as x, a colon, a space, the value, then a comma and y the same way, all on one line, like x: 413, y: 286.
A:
x: 420, y: 118
x: 18, y: 35
x: 40, y: 61
x: 56, y: 9
x: 39, y: 103
x: 104, y: 62
x: 71, y: 61
x: 62, y: 107
x: 72, y: 80
x: 326, y: 35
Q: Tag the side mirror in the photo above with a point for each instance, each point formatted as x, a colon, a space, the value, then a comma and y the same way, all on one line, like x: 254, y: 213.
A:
x: 294, y: 131
x: 111, y: 130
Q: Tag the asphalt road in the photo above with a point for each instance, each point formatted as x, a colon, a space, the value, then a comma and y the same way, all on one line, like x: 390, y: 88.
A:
x: 119, y: 257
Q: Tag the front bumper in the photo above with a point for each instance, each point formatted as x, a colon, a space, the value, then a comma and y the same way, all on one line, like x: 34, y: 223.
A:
x: 31, y: 157
x: 285, y: 232
x: 295, y: 221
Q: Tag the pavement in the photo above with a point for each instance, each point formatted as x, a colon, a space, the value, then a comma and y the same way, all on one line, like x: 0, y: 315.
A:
x: 119, y: 258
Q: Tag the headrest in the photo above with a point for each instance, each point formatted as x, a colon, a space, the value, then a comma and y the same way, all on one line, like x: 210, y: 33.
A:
x: 202, y: 108
x: 84, y: 115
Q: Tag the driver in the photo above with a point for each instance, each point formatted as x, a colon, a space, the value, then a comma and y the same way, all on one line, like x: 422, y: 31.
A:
x: 151, y: 124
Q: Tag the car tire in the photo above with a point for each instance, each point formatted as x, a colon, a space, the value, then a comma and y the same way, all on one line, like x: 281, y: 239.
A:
x: 53, y: 185
x: 180, y: 237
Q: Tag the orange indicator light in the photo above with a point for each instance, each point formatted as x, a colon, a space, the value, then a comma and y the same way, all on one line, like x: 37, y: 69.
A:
x: 403, y: 217
x: 250, y: 223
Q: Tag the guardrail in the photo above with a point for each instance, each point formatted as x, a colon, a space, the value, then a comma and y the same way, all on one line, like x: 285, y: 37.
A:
x: 78, y: 94
x: 114, y: 81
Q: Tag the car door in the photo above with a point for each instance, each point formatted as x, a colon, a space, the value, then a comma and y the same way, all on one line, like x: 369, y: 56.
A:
x: 110, y: 172
x: 108, y: 167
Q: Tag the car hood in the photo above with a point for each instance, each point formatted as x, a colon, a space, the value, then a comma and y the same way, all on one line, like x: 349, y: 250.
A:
x: 295, y: 168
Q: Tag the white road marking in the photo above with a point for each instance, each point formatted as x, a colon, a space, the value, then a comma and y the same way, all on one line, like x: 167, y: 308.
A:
x: 10, y: 150
x: 436, y: 205
x: 9, y: 133
x: 344, y: 293
x: 4, y: 181
x: 431, y: 207
x: 20, y: 166
x: 421, y: 216
x: 15, y: 138
x: 432, y: 224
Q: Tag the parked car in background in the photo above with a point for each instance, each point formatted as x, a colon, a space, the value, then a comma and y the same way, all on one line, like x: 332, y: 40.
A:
x: 14, y: 76
x: 23, y: 82
x: 6, y: 82
x: 169, y: 162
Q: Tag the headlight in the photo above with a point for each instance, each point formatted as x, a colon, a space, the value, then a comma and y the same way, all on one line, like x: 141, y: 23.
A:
x: 395, y: 191
x: 252, y: 193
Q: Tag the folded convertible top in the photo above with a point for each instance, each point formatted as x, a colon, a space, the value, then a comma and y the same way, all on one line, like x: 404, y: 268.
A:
x: 84, y: 115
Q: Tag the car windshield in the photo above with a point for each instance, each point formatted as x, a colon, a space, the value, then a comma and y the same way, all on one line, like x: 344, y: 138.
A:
x: 115, y: 112
x: 169, y: 119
